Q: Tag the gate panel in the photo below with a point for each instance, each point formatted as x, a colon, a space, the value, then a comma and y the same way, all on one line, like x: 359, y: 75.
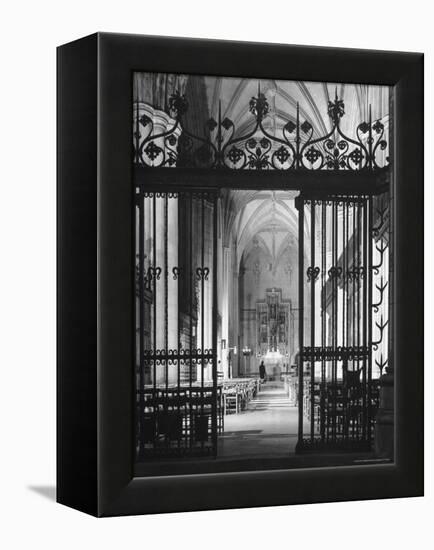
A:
x: 176, y: 383
x: 338, y: 396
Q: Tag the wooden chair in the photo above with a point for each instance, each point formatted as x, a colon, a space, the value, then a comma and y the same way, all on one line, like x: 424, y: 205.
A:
x: 231, y: 402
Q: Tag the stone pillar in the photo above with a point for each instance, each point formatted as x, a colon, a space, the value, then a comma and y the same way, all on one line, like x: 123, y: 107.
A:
x: 209, y: 309
x: 384, y: 425
x: 235, y: 306
x: 224, y: 293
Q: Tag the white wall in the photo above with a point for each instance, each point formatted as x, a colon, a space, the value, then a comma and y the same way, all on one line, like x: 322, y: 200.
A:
x: 29, y: 33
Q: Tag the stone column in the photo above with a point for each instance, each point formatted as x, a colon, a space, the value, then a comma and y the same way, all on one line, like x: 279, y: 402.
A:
x: 224, y: 290
x: 235, y: 317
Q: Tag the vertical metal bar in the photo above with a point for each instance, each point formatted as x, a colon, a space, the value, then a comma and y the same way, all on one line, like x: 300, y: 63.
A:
x: 154, y: 297
x: 346, y: 316
x: 214, y: 326
x: 353, y: 297
x: 364, y: 329
x: 347, y: 286
x: 324, y: 317
x: 353, y: 324
x: 369, y: 328
x: 312, y: 320
x: 345, y: 358
x: 166, y: 289
x: 336, y: 328
x: 334, y: 308
x: 141, y: 325
x: 300, y: 202
x: 202, y: 312
x: 359, y: 293
x: 180, y: 391
x: 191, y: 234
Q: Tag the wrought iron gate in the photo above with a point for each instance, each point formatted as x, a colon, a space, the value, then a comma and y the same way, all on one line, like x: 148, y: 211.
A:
x: 343, y: 265
x: 178, y: 406
x: 337, y: 393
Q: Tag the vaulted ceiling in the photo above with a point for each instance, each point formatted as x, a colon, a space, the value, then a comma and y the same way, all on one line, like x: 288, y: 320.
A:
x: 260, y: 219
x: 232, y: 96
x: 208, y: 94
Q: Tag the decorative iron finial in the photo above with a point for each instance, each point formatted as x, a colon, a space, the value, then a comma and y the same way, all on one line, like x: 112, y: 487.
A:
x: 258, y: 106
x: 178, y: 104
x: 336, y: 109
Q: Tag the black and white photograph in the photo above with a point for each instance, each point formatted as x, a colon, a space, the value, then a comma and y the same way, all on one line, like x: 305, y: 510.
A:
x: 262, y: 304
x: 216, y: 298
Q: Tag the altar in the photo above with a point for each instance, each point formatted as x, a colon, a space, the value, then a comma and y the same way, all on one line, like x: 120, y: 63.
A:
x: 273, y: 331
x: 273, y: 361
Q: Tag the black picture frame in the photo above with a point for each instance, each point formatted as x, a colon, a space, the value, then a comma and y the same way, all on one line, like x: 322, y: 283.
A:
x: 95, y: 275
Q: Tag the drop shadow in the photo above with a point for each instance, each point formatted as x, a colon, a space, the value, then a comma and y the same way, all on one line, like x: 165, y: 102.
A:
x: 47, y: 491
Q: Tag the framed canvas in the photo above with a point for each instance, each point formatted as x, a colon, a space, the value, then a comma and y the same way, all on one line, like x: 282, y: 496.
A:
x: 240, y: 274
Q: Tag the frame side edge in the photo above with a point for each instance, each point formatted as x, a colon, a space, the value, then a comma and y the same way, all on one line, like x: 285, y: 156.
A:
x: 409, y: 259
x: 76, y: 275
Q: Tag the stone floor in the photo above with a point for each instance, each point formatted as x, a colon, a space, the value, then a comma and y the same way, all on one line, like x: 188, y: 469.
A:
x: 268, y: 427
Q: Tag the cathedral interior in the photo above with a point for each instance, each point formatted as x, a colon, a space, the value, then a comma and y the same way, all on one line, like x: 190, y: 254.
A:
x: 263, y: 273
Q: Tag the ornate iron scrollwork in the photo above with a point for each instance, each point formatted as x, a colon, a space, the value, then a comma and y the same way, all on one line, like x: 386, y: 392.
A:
x: 381, y: 249
x: 356, y: 273
x: 381, y: 364
x: 335, y: 272
x: 177, y: 272
x: 173, y: 356
x: 297, y: 147
x: 381, y: 289
x: 381, y: 325
x: 339, y: 353
x: 153, y: 274
x: 312, y: 273
x: 202, y: 273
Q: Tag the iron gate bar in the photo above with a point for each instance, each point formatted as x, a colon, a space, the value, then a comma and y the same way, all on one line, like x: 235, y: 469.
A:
x: 141, y: 325
x: 369, y: 312
x: 166, y: 288
x: 312, y: 297
x: 202, y: 317
x: 191, y: 290
x: 214, y: 326
x: 345, y: 362
x: 300, y: 206
x: 335, y: 315
x: 366, y: 237
x: 154, y: 296
x: 323, y: 320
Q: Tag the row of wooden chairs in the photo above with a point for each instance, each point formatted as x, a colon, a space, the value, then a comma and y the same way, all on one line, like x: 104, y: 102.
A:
x: 178, y: 416
x: 336, y: 412
x: 237, y: 392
